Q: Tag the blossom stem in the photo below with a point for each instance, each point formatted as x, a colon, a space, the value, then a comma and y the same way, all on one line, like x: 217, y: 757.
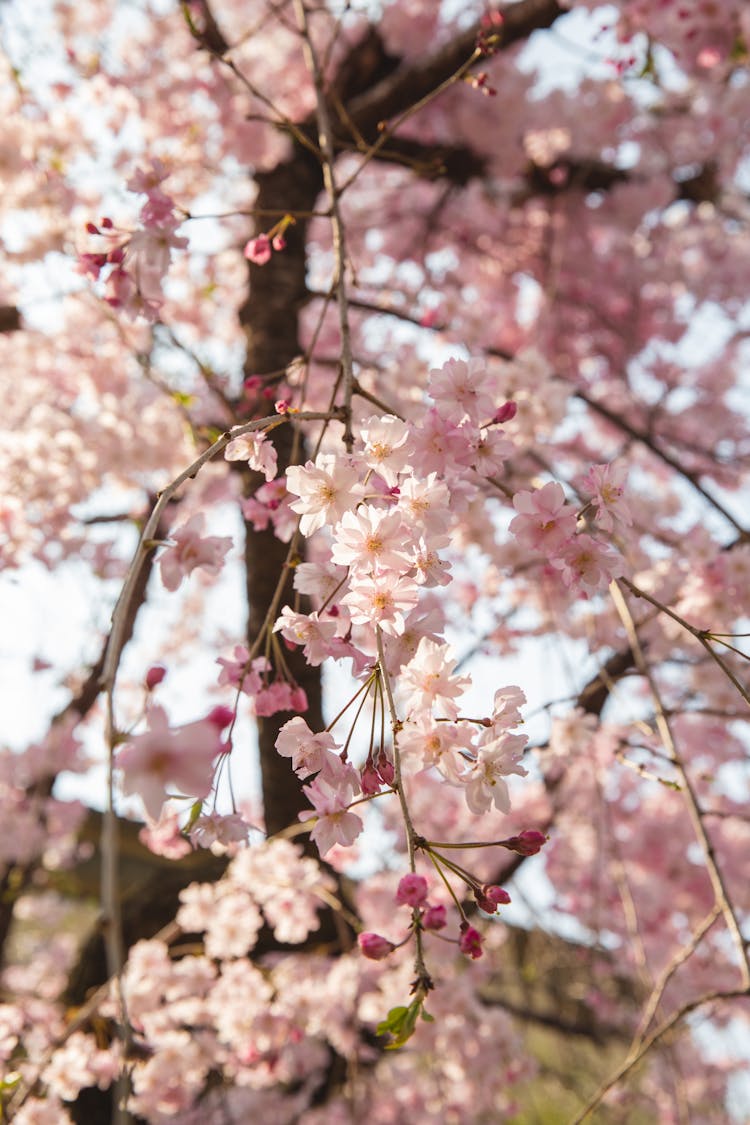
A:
x: 423, y: 980
x: 364, y: 688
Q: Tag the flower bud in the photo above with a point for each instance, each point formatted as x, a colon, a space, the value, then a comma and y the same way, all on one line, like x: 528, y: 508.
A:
x: 154, y: 676
x: 434, y: 918
x: 221, y: 716
x: 412, y: 890
x: 374, y: 946
x: 298, y: 699
x: 386, y: 770
x: 490, y: 897
x: 258, y: 250
x: 504, y: 413
x: 370, y: 781
x: 470, y: 941
x: 528, y: 842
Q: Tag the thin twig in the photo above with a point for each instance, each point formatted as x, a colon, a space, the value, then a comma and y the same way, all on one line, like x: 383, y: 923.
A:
x: 650, y: 1041
x: 327, y: 147
x: 721, y: 893
x: 423, y: 980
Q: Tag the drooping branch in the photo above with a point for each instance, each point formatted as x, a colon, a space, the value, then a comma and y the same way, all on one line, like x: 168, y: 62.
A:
x: 370, y: 90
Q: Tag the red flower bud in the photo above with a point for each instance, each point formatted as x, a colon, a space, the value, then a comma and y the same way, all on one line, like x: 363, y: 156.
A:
x: 154, y: 676
x: 221, y: 716
x: 490, y: 897
x: 504, y: 413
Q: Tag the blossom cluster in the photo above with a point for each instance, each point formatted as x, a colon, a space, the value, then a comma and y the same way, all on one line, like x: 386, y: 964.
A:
x: 380, y: 521
x: 135, y: 263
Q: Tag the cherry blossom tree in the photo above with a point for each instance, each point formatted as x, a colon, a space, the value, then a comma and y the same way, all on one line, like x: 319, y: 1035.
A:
x: 398, y: 348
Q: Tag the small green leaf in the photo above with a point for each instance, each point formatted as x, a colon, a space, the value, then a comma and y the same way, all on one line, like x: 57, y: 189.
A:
x: 400, y: 1023
x: 183, y: 399
x: 195, y: 811
x: 392, y: 1022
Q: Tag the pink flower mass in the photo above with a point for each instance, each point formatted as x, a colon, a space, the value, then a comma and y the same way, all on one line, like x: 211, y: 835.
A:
x: 375, y: 562
x: 166, y: 759
x: 191, y: 550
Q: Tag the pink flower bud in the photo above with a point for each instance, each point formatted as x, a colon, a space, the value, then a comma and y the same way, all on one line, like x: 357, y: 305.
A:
x: 281, y: 406
x: 490, y: 897
x: 528, y: 842
x: 258, y: 250
x: 412, y: 890
x: 252, y: 383
x: 278, y: 242
x: 434, y: 918
x: 369, y: 780
x: 298, y: 699
x: 504, y: 413
x: 470, y: 941
x: 221, y: 716
x: 386, y: 770
x: 374, y: 946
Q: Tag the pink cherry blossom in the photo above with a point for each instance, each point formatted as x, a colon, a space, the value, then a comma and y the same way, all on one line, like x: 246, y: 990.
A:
x: 335, y: 823
x: 496, y: 760
x: 254, y: 448
x: 545, y: 522
x: 426, y: 505
x: 385, y: 447
x: 371, y: 540
x: 428, y: 680
x: 326, y: 490
x: 309, y: 752
x: 191, y: 549
x: 166, y: 759
x: 308, y: 630
x: 606, y: 483
x: 219, y: 828
x: 463, y: 390
x: 383, y: 600
x: 587, y: 563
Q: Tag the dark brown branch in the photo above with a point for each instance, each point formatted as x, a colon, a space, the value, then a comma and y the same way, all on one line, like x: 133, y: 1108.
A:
x: 417, y: 79
x: 10, y: 318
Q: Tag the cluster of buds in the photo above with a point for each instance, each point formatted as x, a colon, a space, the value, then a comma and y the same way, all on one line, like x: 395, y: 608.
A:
x: 91, y: 264
x: 412, y: 891
x: 490, y: 34
x: 259, y: 249
x: 428, y: 917
x: 480, y: 82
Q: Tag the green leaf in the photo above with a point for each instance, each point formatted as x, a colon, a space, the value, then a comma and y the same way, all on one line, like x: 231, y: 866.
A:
x: 195, y: 811
x: 400, y: 1023
x: 392, y: 1022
